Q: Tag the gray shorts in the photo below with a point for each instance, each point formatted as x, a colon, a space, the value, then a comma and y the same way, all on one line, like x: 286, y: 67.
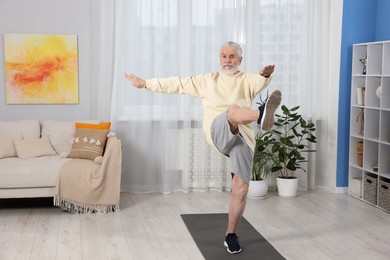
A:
x: 234, y: 146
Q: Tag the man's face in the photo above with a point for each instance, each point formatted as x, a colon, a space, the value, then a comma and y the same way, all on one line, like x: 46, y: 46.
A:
x: 229, y: 60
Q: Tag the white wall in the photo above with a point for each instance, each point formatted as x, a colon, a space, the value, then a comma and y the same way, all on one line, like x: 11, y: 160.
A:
x: 51, y: 17
x: 333, y: 95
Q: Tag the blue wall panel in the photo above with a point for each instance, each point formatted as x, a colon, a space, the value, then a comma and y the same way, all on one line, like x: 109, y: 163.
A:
x: 363, y: 21
x: 359, y: 25
x: 382, y: 32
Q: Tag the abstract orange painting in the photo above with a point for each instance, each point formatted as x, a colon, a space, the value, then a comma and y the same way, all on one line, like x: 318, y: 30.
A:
x: 41, y: 69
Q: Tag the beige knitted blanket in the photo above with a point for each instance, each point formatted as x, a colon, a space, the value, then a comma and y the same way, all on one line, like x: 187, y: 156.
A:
x: 85, y: 186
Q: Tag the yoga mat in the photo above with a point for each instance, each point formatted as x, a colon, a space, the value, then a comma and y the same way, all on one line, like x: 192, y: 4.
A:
x: 208, y: 231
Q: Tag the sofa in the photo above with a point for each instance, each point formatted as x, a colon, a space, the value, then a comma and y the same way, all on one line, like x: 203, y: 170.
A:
x: 77, y: 163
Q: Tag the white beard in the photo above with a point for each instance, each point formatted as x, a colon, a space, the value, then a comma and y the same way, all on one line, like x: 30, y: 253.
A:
x: 230, y: 71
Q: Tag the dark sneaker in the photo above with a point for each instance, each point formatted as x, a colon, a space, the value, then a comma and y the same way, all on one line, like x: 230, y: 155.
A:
x: 232, y: 244
x: 267, y: 110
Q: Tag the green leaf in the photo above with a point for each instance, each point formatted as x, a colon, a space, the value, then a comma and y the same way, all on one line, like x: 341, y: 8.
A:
x: 276, y: 168
x: 311, y: 139
x: 291, y: 167
x: 285, y: 109
x: 294, y: 108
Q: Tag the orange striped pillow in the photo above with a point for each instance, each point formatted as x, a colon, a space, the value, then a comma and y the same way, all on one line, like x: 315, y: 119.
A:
x: 102, y: 126
x: 89, y: 140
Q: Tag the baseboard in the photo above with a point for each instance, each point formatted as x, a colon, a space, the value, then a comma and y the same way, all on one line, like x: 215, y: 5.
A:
x: 337, y: 189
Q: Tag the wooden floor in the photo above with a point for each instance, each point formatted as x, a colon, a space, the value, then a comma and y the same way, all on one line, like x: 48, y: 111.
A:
x: 315, y: 225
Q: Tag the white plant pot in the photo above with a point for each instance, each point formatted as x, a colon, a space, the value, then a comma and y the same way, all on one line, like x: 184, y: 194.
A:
x: 257, y: 189
x: 287, y: 187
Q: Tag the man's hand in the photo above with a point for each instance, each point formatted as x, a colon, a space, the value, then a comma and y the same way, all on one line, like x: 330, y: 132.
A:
x: 135, y: 80
x: 267, y: 71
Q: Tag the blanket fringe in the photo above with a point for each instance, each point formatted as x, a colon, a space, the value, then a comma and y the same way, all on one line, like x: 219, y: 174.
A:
x: 79, y: 208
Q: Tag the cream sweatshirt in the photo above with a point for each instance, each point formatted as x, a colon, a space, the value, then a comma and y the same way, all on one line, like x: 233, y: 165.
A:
x: 217, y: 91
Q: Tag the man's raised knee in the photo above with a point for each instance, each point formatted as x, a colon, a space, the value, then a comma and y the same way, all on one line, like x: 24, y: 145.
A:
x: 232, y: 110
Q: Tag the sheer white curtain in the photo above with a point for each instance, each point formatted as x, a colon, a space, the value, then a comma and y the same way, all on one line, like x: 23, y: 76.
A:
x: 163, y: 145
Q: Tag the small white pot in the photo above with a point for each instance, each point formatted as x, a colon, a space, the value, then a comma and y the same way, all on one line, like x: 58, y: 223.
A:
x: 257, y: 189
x: 287, y: 187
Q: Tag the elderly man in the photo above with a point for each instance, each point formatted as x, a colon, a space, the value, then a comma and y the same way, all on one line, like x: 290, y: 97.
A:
x: 227, y: 98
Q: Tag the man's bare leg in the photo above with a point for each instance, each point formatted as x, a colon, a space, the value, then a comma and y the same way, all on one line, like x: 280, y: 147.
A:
x: 237, y: 203
x: 236, y: 116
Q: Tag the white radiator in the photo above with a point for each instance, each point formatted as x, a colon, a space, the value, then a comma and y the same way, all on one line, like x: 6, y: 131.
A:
x: 205, y: 167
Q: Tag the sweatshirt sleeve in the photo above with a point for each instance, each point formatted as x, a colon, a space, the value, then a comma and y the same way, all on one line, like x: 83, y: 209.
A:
x: 257, y: 83
x: 176, y: 85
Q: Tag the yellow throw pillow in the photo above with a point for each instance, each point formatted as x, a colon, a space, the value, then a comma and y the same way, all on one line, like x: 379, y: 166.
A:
x: 88, y: 143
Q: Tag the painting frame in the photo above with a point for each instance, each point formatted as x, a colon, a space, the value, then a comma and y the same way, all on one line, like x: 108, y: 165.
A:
x: 41, y: 68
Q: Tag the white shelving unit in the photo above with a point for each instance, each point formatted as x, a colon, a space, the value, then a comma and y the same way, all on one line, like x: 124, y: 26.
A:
x: 370, y: 125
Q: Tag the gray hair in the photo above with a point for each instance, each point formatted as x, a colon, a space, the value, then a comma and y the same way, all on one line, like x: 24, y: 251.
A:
x: 234, y: 45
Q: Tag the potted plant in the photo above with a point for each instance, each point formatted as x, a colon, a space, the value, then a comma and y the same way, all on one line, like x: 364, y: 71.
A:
x: 286, y: 146
x: 261, y: 169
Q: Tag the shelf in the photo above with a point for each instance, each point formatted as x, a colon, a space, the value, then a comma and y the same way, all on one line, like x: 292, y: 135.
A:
x: 374, y: 59
x: 353, y: 152
x: 359, y: 52
x: 384, y: 155
x: 386, y: 58
x: 372, y: 100
x: 385, y: 98
x: 357, y: 128
x: 371, y: 126
x: 358, y: 83
x: 385, y: 175
x: 385, y: 126
x: 371, y: 157
x: 369, y: 146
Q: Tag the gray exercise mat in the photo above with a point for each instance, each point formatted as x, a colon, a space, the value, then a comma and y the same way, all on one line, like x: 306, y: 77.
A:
x: 208, y: 231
